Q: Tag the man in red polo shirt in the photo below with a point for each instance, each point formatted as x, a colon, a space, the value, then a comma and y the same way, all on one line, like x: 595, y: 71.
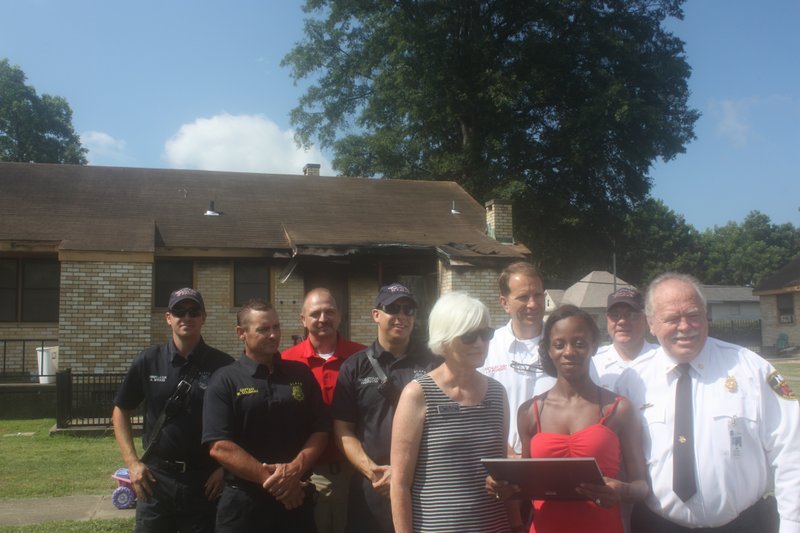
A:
x: 323, y: 351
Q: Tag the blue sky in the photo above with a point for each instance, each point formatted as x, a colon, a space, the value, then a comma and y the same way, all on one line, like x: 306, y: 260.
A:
x: 198, y: 84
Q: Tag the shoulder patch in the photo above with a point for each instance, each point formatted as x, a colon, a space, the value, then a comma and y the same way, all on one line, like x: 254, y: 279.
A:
x: 778, y: 384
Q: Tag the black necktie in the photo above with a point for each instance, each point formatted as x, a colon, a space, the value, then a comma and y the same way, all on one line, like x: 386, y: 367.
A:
x: 683, y: 482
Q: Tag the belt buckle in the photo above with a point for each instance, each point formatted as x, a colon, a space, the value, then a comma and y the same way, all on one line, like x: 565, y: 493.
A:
x: 180, y: 466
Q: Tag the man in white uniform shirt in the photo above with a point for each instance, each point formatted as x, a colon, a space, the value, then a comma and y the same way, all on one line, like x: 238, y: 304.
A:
x: 626, y: 326
x: 711, y: 460
x: 513, y: 357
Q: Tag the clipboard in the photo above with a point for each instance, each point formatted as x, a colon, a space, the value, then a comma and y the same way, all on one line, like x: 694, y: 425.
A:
x: 546, y: 479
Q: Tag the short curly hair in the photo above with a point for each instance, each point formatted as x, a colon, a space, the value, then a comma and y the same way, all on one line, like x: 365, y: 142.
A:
x: 563, y: 312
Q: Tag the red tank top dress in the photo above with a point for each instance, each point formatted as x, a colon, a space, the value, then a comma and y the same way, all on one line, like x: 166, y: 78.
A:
x: 598, y: 441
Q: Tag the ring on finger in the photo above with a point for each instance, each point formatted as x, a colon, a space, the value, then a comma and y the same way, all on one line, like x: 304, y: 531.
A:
x: 597, y: 501
x: 497, y: 495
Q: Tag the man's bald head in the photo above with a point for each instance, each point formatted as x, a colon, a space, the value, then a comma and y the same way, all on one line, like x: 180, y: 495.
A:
x: 320, y: 315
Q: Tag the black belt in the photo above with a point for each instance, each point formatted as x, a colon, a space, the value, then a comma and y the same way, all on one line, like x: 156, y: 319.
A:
x: 176, y: 467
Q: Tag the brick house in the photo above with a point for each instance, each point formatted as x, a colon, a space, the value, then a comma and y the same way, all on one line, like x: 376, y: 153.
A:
x: 779, y: 297
x: 88, y: 255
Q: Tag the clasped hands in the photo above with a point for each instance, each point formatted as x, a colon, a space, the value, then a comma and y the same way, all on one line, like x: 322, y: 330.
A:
x: 284, y: 484
x: 381, y: 478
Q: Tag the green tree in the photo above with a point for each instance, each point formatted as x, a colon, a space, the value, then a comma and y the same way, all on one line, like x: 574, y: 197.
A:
x: 32, y: 127
x: 560, y: 106
x: 655, y: 240
x: 746, y: 253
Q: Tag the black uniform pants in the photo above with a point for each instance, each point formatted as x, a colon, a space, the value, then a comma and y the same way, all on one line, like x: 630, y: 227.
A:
x: 178, y: 503
x: 761, y: 517
x: 254, y: 510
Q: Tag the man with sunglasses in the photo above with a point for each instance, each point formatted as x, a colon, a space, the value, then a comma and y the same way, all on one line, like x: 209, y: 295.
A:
x: 175, y: 479
x: 626, y: 325
x: 364, y: 402
x: 513, y: 357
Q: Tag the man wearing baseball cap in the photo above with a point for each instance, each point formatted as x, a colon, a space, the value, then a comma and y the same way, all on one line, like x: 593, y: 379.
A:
x: 627, y: 325
x: 174, y: 478
x: 364, y: 402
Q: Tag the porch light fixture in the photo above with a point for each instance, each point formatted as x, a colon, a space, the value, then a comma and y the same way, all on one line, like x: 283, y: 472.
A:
x: 453, y: 210
x: 211, y: 212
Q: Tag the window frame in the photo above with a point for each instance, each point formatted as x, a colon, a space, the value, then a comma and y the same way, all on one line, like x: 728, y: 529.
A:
x: 784, y: 304
x: 36, y: 295
x: 241, y: 292
x: 163, y: 288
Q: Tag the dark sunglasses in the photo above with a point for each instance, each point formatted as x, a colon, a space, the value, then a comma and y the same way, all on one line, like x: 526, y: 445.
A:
x: 484, y: 333
x: 181, y: 312
x: 394, y: 309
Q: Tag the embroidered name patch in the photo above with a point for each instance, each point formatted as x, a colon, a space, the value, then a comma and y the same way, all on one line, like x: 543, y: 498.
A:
x: 778, y: 384
x: 245, y: 391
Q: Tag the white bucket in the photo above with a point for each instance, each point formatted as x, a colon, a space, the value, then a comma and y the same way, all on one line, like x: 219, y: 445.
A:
x: 48, y: 363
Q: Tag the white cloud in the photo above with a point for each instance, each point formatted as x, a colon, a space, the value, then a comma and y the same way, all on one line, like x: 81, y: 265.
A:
x: 104, y: 149
x: 242, y: 143
x: 732, y: 120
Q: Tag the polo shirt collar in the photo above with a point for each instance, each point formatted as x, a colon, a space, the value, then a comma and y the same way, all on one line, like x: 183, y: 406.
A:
x: 177, y: 360
x: 255, y: 368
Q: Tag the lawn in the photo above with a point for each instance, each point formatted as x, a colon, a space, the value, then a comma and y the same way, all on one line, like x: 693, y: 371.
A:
x: 92, y: 526
x: 34, y: 464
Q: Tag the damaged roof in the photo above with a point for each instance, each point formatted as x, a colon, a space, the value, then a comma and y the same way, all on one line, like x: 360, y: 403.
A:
x: 92, y: 208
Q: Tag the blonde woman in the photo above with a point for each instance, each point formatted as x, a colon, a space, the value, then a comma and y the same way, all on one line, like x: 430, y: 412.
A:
x: 445, y: 422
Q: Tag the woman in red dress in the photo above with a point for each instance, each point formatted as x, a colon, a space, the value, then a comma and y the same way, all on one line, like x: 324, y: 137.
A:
x: 577, y: 418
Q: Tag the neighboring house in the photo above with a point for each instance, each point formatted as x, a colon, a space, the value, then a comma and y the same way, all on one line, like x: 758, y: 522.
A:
x: 591, y: 294
x: 779, y: 297
x: 552, y: 299
x: 731, y: 303
x: 89, y: 255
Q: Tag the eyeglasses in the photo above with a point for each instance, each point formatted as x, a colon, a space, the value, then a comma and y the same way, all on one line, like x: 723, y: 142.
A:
x: 484, y: 333
x: 616, y: 316
x: 180, y: 312
x: 394, y: 309
x: 531, y: 368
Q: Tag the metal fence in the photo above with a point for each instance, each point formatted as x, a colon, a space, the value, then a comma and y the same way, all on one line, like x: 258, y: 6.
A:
x: 741, y: 332
x: 87, y: 399
x: 20, y: 362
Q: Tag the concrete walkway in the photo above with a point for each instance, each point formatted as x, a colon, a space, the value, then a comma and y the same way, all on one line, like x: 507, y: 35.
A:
x: 71, y: 508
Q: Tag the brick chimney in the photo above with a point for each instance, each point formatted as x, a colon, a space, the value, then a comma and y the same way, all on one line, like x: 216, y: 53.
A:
x: 498, y: 221
x: 311, y: 169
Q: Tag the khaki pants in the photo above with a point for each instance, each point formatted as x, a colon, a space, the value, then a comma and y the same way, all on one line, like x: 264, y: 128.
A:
x: 333, y: 483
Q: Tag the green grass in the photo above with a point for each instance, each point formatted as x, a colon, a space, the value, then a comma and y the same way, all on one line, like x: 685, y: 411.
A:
x: 43, y: 466
x: 91, y: 526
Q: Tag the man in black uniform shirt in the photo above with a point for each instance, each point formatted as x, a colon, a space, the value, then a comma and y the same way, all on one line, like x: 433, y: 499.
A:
x: 265, y: 422
x: 364, y: 401
x: 177, y: 481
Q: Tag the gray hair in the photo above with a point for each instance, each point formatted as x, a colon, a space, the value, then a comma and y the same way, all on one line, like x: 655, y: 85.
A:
x: 688, y: 279
x: 453, y: 315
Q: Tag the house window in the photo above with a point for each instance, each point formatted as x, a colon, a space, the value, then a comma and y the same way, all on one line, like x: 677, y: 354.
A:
x: 786, y: 308
x: 169, y: 276
x: 250, y: 280
x: 29, y: 290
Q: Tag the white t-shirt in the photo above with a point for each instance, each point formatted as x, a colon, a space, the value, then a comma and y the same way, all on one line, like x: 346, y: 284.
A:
x: 522, y: 381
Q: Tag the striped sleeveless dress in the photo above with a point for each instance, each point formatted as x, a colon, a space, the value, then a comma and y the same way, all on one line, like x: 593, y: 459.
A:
x: 448, y: 493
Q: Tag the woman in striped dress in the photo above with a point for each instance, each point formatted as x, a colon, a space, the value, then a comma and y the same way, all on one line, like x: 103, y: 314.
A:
x: 446, y: 422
